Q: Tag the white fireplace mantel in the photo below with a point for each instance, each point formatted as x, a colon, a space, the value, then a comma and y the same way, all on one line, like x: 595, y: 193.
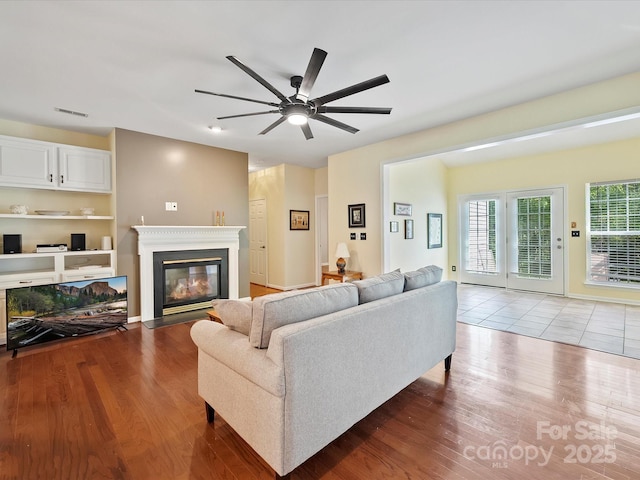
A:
x: 162, y: 238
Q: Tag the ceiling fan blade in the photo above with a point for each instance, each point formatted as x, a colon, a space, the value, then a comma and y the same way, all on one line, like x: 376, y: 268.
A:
x: 248, y: 114
x: 357, y: 88
x: 272, y: 126
x: 238, y: 98
x: 310, y: 76
x: 306, y: 129
x: 257, y: 78
x: 335, y: 123
x: 381, y: 110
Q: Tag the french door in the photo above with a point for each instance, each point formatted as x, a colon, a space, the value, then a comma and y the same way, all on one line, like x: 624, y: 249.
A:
x: 514, y: 240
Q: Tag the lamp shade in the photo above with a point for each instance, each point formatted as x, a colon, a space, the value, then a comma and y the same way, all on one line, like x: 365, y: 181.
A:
x: 342, y: 250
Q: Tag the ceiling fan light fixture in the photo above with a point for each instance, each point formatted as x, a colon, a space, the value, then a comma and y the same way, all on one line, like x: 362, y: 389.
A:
x: 297, y: 118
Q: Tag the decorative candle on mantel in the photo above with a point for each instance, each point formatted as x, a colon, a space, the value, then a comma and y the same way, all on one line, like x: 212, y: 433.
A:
x: 222, y: 223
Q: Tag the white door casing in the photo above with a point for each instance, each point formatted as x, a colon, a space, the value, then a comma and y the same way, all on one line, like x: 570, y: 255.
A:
x: 258, y: 241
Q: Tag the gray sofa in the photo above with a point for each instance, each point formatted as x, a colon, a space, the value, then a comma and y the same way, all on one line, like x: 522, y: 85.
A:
x: 292, y: 371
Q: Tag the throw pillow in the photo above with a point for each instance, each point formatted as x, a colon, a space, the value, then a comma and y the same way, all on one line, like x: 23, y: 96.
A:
x: 235, y: 314
x: 422, y: 277
x: 433, y: 272
x: 277, y: 309
x: 381, y: 286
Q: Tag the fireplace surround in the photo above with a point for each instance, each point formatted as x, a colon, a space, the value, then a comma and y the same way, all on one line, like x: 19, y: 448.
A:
x: 156, y: 238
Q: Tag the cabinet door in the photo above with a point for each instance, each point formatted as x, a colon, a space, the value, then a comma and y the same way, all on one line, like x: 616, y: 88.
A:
x: 27, y: 163
x: 84, y: 169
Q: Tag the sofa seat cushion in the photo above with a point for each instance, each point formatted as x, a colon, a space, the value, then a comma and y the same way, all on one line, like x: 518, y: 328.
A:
x: 422, y: 277
x: 381, y: 286
x: 235, y: 314
x: 278, y: 309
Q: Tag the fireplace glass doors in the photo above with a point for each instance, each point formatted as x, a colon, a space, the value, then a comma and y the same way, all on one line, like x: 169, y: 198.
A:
x: 189, y: 280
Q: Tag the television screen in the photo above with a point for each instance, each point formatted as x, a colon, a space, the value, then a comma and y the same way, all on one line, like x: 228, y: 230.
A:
x: 42, y: 313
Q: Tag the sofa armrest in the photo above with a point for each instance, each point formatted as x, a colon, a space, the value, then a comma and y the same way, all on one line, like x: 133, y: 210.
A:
x: 232, y: 349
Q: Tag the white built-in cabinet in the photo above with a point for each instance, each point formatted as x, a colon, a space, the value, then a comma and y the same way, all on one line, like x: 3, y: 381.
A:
x: 35, y: 164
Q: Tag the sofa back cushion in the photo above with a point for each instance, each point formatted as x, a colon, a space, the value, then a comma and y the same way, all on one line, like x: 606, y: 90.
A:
x: 381, y: 286
x: 235, y: 314
x: 278, y: 309
x: 422, y: 277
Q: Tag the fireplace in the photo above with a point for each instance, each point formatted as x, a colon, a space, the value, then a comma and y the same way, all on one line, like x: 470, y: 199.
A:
x: 189, y: 280
x: 185, y: 240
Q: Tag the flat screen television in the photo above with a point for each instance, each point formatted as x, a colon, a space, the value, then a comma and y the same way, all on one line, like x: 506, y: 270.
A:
x: 42, y: 313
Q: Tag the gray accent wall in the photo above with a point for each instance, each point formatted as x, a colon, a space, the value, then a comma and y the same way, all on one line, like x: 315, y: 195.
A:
x: 152, y: 170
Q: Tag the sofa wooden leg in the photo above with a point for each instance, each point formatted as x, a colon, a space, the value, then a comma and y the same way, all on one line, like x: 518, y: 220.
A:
x: 447, y: 363
x: 210, y: 412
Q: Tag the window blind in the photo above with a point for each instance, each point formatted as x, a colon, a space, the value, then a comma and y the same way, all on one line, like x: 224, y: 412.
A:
x: 614, y: 232
x: 481, y: 246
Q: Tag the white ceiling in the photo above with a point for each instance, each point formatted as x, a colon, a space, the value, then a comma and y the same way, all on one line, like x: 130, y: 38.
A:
x: 135, y: 64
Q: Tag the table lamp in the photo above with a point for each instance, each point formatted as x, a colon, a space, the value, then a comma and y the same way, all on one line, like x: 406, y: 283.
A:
x: 341, y: 252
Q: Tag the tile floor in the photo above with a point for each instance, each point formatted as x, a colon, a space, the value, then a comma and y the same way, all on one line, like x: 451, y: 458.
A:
x: 608, y: 327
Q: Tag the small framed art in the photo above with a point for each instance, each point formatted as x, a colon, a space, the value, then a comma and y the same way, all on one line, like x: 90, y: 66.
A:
x: 402, y: 209
x: 356, y: 216
x: 393, y: 227
x: 434, y: 230
x: 408, y: 229
x: 298, y: 219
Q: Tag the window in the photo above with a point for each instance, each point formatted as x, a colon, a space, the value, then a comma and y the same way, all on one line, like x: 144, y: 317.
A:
x: 614, y: 233
x: 534, y: 237
x: 481, y: 246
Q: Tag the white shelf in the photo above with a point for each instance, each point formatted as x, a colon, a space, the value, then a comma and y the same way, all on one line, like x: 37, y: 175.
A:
x: 57, y: 217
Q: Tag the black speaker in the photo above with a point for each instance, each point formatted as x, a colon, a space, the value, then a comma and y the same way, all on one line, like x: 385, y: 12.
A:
x: 78, y: 241
x: 12, y: 243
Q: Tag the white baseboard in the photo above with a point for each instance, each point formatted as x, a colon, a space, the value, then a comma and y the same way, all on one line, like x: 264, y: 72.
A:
x: 591, y: 298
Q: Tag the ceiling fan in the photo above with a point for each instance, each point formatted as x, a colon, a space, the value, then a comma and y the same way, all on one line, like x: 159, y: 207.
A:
x: 298, y: 108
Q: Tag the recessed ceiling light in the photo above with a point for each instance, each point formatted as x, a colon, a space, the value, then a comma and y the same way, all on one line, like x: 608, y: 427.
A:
x: 215, y: 128
x: 71, y: 112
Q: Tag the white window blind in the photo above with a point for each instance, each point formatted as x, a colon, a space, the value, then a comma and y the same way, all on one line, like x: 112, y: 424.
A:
x: 481, y: 246
x: 614, y: 232
x: 534, y: 237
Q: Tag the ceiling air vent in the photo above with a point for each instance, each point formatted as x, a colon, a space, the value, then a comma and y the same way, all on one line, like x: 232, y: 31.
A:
x: 71, y: 112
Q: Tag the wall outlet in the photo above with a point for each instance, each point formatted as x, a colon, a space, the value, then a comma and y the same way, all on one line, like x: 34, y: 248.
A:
x: 453, y: 268
x: 171, y: 206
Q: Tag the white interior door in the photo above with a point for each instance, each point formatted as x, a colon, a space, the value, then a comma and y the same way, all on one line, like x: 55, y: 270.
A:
x: 513, y: 240
x: 258, y: 241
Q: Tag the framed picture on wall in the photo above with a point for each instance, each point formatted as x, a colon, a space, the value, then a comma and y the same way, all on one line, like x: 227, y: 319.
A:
x: 393, y: 227
x: 402, y: 209
x: 434, y: 230
x: 298, y: 219
x: 408, y: 229
x: 356, y: 216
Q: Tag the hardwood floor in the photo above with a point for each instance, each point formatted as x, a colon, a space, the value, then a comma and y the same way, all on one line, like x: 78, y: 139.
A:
x: 125, y: 406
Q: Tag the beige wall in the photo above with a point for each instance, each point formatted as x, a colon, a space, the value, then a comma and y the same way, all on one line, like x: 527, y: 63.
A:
x: 53, y: 231
x: 290, y: 253
x: 423, y: 184
x: 47, y: 134
x: 356, y: 176
x: 152, y: 170
x: 572, y: 169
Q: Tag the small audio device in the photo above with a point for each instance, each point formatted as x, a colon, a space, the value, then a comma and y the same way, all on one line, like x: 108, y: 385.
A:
x: 78, y: 242
x: 12, y: 243
x: 51, y: 248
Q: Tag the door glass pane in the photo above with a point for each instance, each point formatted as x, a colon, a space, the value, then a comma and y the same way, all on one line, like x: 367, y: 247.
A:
x: 534, y: 237
x: 481, y: 245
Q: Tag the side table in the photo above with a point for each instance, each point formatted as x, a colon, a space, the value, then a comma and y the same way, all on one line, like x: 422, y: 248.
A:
x: 347, y: 276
